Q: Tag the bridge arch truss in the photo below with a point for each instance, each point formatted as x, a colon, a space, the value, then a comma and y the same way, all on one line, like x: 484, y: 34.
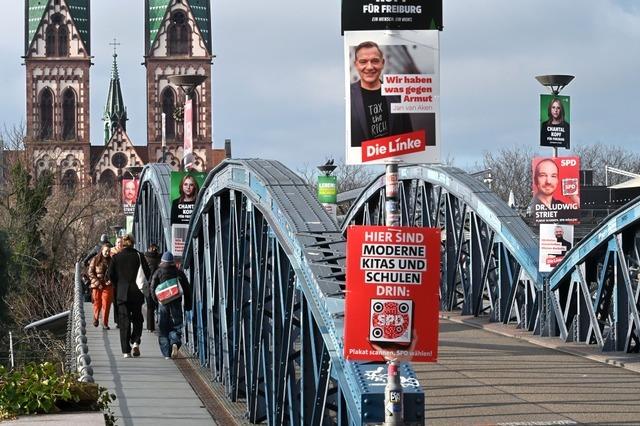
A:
x: 489, y: 255
x: 267, y: 266
x: 594, y: 291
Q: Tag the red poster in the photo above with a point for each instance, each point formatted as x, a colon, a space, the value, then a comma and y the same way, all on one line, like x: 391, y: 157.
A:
x: 392, y: 301
x: 129, y: 195
x: 188, y: 134
x: 393, y: 146
x: 556, y: 190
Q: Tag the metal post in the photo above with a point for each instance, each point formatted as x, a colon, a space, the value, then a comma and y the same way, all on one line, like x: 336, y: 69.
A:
x: 392, y: 207
x: 393, y: 410
x: 11, y: 350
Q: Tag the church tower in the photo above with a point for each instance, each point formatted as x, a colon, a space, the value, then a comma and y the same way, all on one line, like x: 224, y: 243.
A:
x: 57, y: 59
x: 115, y: 113
x: 178, y: 42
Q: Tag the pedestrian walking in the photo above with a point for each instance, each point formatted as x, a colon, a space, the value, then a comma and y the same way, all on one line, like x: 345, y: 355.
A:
x: 152, y: 255
x: 96, y: 249
x: 86, y: 281
x: 115, y: 250
x: 129, y: 298
x: 101, y: 288
x: 170, y: 310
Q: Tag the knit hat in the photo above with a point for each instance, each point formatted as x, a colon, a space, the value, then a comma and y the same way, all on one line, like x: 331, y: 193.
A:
x: 104, y: 238
x: 167, y: 257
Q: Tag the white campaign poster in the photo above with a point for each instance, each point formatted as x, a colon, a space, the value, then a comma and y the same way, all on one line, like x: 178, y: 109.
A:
x: 555, y: 241
x: 392, y: 88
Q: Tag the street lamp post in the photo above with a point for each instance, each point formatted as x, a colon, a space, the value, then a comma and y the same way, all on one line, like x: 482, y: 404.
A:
x: 188, y: 84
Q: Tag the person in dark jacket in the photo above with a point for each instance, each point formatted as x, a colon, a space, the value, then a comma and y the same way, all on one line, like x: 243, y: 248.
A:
x: 95, y: 250
x: 170, y: 315
x: 129, y: 298
x: 153, y: 260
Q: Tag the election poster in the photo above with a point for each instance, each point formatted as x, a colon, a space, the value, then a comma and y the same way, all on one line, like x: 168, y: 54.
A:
x: 392, y: 293
x: 328, y: 194
x: 554, y: 121
x: 185, y: 187
x: 555, y: 241
x: 556, y: 190
x: 392, y: 91
x: 359, y: 15
x: 188, y: 135
x: 129, y: 195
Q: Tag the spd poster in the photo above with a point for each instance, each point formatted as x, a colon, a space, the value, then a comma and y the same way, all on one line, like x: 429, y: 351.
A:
x: 129, y: 195
x: 556, y: 190
x: 392, y: 301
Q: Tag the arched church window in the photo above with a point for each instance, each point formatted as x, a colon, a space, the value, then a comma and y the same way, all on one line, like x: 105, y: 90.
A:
x: 57, y: 37
x: 179, y: 35
x: 69, y: 180
x: 46, y: 114
x: 68, y: 115
x: 63, y: 41
x: 107, y: 179
x: 168, y: 106
x: 50, y: 41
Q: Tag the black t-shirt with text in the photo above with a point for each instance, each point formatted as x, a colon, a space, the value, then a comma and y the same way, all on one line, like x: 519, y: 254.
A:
x: 375, y: 108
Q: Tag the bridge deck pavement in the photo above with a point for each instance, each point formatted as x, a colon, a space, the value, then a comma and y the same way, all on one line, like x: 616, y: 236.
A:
x: 494, y: 374
x: 150, y: 390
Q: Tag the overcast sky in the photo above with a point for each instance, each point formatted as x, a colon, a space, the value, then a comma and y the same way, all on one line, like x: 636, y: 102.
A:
x: 278, y: 73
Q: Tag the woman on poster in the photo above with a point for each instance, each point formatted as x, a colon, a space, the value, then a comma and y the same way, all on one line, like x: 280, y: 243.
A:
x: 555, y: 131
x: 182, y: 207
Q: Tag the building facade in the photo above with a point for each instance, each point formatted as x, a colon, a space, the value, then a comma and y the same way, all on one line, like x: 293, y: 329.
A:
x: 58, y: 60
x: 178, y: 42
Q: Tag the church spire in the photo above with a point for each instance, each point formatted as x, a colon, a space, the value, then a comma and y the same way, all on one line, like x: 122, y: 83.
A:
x: 115, y: 113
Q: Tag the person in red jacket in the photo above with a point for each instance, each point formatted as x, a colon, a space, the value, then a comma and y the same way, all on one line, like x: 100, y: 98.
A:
x: 101, y: 288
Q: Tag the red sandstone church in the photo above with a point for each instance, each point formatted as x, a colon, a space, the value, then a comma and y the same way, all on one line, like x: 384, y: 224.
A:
x: 58, y: 61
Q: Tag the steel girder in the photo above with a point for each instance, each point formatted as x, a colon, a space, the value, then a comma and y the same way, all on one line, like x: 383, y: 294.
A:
x: 594, y: 290
x: 489, y: 255
x: 152, y: 216
x: 267, y: 265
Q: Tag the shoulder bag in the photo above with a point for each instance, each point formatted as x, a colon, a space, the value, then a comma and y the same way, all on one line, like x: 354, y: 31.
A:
x: 141, y: 278
x: 168, y: 291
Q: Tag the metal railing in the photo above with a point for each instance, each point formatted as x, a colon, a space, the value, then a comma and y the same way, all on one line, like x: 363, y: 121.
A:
x: 78, y: 358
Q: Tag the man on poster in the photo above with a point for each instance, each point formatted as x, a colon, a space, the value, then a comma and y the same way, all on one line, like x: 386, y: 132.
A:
x: 371, y: 115
x: 546, y: 206
x: 129, y: 195
x: 555, y: 242
x: 559, y: 233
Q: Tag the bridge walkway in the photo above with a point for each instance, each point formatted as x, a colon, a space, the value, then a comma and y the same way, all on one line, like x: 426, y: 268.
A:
x: 490, y: 373
x: 150, y: 390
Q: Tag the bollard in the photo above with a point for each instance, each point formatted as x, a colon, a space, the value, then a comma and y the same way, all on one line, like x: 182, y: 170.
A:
x: 393, y: 410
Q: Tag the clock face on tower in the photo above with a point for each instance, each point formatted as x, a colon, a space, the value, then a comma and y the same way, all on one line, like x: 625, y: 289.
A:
x: 119, y: 160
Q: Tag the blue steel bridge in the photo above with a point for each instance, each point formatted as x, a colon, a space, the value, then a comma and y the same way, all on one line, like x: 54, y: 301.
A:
x: 267, y: 265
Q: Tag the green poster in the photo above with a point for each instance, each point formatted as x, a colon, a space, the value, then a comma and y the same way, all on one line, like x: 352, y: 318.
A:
x: 185, y: 187
x: 555, y: 115
x: 327, y: 189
